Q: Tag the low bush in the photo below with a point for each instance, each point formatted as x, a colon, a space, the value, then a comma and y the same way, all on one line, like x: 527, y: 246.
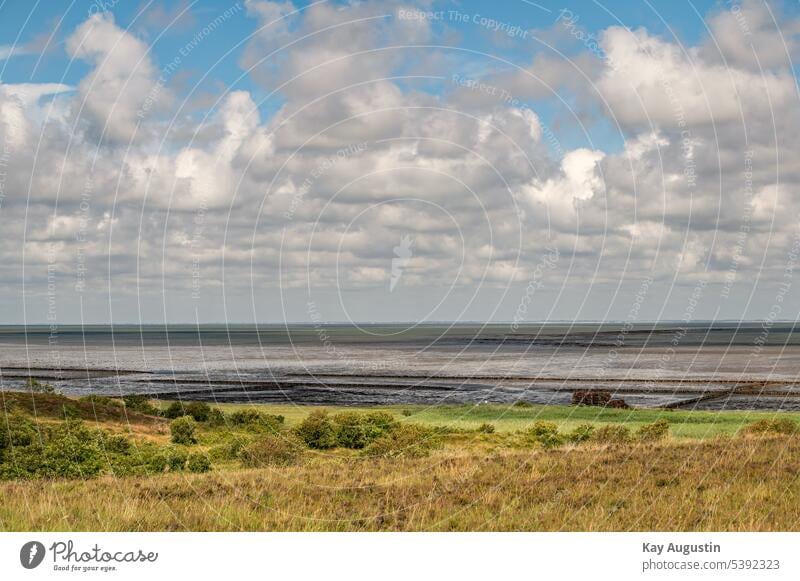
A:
x: 486, y: 428
x: 216, y: 417
x: 143, y: 459
x: 255, y: 420
x: 117, y: 444
x: 16, y: 430
x: 70, y: 450
x: 174, y: 410
x: 140, y: 404
x: 612, y: 434
x: 772, y: 426
x: 658, y: 430
x: 229, y: 448
x: 198, y: 462
x: 522, y: 404
x: 199, y: 410
x: 546, y: 434
x: 176, y: 458
x: 183, y: 430
x: 318, y: 431
x: 543, y: 429
x: 581, y: 433
x: 156, y: 461
x: 272, y: 450
x: 356, y: 431
x: 403, y: 441
x: 234, y: 447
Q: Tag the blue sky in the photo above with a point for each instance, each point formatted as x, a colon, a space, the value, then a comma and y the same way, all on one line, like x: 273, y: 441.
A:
x: 169, y: 25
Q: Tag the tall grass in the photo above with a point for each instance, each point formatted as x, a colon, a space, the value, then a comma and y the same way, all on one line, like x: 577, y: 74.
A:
x: 538, y: 468
x: 732, y: 484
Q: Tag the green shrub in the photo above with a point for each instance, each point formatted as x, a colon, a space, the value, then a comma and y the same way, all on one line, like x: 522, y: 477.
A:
x: 182, y: 430
x: 234, y: 447
x: 522, y: 404
x: 199, y: 410
x: 228, y: 450
x: 272, y: 450
x: 156, y: 461
x: 612, y: 434
x: 140, y: 404
x: 318, y: 430
x: 581, y: 433
x: 174, y: 410
x: 403, y: 441
x: 244, y: 417
x: 772, y: 426
x: 543, y: 428
x: 143, y: 459
x: 255, y: 420
x: 117, y: 444
x: 176, y: 458
x: 486, y: 428
x: 71, y: 450
x: 198, y: 462
x: 16, y: 430
x: 546, y: 434
x: 658, y: 430
x: 216, y: 417
x: 354, y: 430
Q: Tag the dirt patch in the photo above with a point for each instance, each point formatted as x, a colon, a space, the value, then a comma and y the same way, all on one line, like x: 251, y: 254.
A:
x: 599, y: 398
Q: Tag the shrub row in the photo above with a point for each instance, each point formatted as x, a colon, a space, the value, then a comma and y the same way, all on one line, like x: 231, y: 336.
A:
x: 403, y: 441
x: 375, y: 434
x: 70, y: 449
x: 272, y: 450
x: 250, y: 419
x: 547, y: 435
x: 783, y: 426
x: 322, y: 431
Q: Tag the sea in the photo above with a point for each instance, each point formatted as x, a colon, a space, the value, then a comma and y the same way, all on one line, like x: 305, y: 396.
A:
x: 748, y: 365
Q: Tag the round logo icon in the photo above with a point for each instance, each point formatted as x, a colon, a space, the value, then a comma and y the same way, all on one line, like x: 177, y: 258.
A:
x: 31, y: 554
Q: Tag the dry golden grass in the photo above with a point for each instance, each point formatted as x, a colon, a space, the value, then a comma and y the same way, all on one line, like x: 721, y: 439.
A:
x: 716, y: 484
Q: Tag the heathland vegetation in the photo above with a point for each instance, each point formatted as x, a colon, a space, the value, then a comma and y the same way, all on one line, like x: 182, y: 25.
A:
x: 98, y: 463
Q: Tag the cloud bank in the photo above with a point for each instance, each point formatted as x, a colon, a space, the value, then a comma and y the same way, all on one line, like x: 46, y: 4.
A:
x: 368, y: 127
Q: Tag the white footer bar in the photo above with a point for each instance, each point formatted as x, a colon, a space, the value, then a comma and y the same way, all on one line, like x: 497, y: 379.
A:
x: 401, y: 556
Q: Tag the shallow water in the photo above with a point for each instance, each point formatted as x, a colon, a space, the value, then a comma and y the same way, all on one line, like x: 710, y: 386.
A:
x: 708, y: 366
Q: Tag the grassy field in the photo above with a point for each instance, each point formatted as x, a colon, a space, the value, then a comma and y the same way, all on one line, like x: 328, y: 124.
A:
x: 706, y: 474
x: 509, y: 418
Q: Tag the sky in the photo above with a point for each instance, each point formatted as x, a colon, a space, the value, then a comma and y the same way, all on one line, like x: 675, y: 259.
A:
x: 255, y: 161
